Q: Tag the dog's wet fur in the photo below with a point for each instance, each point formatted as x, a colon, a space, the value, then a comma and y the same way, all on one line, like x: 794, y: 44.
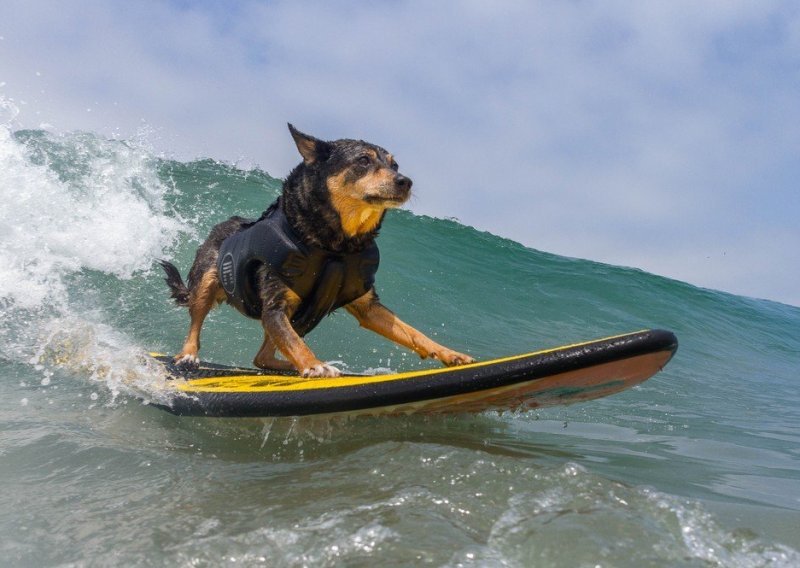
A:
x: 335, y: 199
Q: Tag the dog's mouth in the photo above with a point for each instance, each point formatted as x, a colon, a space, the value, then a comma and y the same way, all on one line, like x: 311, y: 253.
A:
x: 392, y: 191
x: 386, y: 200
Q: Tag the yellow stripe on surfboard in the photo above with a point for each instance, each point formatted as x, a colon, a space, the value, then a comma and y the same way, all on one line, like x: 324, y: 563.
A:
x: 281, y: 383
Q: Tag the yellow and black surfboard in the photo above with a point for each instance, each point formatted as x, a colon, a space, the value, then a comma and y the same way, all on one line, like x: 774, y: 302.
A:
x: 564, y: 375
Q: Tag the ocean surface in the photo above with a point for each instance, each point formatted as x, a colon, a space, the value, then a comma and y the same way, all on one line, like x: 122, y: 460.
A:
x: 699, y: 466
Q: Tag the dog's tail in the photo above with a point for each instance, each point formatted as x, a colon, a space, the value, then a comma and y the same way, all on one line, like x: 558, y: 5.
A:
x: 178, y: 290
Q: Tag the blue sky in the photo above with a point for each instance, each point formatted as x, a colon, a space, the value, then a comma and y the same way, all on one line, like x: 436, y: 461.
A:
x: 659, y: 135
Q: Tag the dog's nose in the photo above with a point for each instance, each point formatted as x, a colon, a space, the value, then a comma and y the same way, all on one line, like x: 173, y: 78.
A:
x: 402, y: 182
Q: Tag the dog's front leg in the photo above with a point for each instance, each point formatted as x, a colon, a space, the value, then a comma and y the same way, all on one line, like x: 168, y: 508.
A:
x: 285, y: 338
x: 373, y: 315
x: 278, y: 304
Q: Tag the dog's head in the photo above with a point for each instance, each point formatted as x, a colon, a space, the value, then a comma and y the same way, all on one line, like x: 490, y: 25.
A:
x: 361, y: 179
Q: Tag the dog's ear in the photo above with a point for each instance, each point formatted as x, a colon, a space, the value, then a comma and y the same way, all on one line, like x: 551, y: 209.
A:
x: 312, y: 149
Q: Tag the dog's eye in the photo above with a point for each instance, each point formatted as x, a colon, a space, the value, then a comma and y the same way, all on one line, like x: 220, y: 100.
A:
x: 394, y: 166
x: 364, y: 161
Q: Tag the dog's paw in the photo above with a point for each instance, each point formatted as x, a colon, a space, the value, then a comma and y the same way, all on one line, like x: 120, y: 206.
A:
x: 452, y: 358
x: 187, y: 360
x: 321, y: 370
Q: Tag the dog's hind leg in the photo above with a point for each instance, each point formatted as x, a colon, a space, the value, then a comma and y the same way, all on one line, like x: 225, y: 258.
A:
x: 265, y: 358
x: 202, y: 298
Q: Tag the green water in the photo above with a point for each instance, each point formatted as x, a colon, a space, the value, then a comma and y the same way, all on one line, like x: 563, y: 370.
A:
x: 696, y: 467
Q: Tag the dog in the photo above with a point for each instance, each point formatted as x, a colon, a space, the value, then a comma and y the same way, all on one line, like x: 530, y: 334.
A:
x: 311, y: 252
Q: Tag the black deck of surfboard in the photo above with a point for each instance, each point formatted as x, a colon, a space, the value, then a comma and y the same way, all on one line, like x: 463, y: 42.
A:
x: 248, y: 392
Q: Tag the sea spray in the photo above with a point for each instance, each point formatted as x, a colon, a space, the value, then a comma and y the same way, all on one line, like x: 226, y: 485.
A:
x: 73, y: 205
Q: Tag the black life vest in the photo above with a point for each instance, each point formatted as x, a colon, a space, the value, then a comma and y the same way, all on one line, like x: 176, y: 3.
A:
x: 323, y: 279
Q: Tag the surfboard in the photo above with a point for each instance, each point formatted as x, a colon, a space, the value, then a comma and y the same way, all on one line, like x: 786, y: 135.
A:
x: 558, y: 376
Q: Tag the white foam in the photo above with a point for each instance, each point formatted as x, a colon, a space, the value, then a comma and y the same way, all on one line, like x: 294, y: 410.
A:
x: 71, y: 203
x: 109, y: 217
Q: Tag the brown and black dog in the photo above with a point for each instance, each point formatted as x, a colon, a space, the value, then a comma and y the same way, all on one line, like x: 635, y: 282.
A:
x: 325, y: 223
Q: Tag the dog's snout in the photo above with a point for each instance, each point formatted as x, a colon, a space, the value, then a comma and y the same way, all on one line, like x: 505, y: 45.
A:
x: 402, y: 182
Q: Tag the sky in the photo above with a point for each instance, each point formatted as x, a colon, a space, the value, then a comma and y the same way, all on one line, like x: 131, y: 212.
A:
x: 661, y: 135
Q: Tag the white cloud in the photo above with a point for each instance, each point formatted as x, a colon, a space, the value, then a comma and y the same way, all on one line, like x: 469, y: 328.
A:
x: 646, y: 134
